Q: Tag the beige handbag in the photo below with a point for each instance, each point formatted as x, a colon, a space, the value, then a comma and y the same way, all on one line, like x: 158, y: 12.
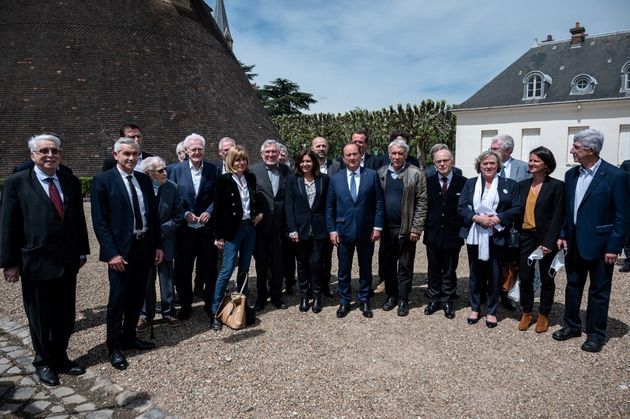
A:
x: 232, y: 311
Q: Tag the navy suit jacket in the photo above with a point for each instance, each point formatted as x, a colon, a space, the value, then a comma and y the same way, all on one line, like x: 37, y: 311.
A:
x: 112, y: 214
x: 300, y: 216
x: 508, y: 209
x: 443, y: 223
x: 204, y: 201
x: 603, y: 214
x: 355, y: 220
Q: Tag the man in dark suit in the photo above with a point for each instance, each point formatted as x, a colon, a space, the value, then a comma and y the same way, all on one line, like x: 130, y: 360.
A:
x: 354, y: 218
x: 126, y: 223
x: 129, y: 131
x: 594, y: 232
x: 43, y: 239
x: 195, y: 179
x: 441, y: 233
x: 270, y: 187
x: 625, y: 166
x: 329, y: 167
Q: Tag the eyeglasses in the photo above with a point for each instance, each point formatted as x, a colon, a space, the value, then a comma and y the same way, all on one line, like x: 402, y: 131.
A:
x: 48, y: 151
x: 162, y: 170
x: 195, y: 150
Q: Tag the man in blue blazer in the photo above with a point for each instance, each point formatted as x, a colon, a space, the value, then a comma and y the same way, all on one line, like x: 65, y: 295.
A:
x: 354, y: 218
x: 125, y: 220
x: 594, y: 232
x: 195, y: 179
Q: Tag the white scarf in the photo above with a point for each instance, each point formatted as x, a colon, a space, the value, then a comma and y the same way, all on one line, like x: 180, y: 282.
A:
x: 485, y: 204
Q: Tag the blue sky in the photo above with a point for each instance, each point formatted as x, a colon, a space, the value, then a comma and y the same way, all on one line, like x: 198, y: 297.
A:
x: 372, y: 54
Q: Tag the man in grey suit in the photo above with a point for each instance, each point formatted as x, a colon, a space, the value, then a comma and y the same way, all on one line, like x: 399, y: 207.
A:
x: 171, y: 213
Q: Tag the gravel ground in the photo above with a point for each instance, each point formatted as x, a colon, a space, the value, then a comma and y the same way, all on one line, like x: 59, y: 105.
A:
x: 307, y: 365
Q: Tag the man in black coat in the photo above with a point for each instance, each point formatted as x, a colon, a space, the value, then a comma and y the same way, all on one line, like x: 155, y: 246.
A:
x: 129, y: 131
x: 44, y: 240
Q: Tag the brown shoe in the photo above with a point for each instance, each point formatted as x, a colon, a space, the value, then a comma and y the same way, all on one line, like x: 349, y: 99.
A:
x: 172, y: 321
x: 143, y: 324
x: 542, y: 324
x: 525, y: 322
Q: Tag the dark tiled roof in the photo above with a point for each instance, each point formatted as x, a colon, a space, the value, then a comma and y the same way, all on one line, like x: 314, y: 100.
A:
x: 601, y: 57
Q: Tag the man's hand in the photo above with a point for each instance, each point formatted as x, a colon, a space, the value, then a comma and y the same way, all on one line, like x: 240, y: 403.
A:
x: 334, y: 238
x: 191, y: 218
x: 376, y: 234
x: 610, y: 258
x: 562, y: 244
x: 414, y: 237
x: 117, y: 263
x: 219, y: 243
x: 159, y: 256
x: 12, y: 274
x: 204, y: 218
x: 257, y: 219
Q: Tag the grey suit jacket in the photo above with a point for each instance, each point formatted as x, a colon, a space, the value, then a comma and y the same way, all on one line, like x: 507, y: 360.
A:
x: 518, y: 170
x: 171, y: 213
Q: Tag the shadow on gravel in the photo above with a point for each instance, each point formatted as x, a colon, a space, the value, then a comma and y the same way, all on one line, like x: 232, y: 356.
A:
x: 240, y: 336
x: 92, y: 317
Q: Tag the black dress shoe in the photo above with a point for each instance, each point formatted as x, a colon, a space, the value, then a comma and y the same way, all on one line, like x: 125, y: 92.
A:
x: 317, y: 304
x: 327, y: 292
x: 566, y: 333
x: 366, y: 310
x: 141, y: 345
x: 390, y: 303
x: 47, y: 376
x: 280, y: 304
x: 403, y: 308
x: 288, y: 290
x: 304, y: 304
x: 71, y: 368
x: 259, y: 306
x: 449, y: 310
x: 216, y: 324
x: 343, y: 310
x: 431, y: 308
x: 117, y: 359
x: 184, y: 313
x: 592, y: 346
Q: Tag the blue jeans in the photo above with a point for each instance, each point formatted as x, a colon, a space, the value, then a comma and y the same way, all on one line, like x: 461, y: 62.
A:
x: 241, y: 247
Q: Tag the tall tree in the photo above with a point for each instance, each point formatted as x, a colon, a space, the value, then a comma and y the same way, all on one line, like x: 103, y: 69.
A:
x: 283, y: 97
x: 248, y: 70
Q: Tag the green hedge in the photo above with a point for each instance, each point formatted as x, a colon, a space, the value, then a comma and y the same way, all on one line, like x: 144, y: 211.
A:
x: 86, y: 183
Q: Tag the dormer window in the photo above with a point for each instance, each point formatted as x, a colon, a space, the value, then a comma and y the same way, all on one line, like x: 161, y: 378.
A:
x: 625, y: 78
x: 583, y: 85
x: 535, y: 85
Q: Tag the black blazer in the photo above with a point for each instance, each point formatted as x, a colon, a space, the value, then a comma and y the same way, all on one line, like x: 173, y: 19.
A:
x: 443, y: 223
x: 32, y: 237
x: 299, y: 215
x: 272, y: 206
x: 112, y: 214
x: 548, y: 212
x: 228, y: 208
x: 508, y: 209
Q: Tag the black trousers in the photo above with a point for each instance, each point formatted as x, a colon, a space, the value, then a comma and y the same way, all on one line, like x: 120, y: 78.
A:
x: 126, y: 294
x: 269, y: 263
x: 309, y: 266
x: 527, y: 273
x: 396, y: 256
x: 50, y: 308
x: 195, y: 244
x: 442, y: 273
x: 486, y: 273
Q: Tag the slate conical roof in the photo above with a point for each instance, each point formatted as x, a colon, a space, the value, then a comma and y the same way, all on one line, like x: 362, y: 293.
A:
x: 82, y: 68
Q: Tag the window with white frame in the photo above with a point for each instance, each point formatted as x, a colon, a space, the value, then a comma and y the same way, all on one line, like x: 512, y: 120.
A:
x: 486, y: 136
x: 571, y: 133
x: 583, y: 84
x: 625, y: 78
x: 624, y: 144
x: 535, y: 85
x: 530, y: 140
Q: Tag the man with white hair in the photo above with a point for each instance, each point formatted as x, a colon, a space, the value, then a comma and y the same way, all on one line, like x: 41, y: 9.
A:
x: 225, y: 144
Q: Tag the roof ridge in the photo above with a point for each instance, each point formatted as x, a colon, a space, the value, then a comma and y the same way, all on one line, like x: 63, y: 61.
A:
x: 560, y: 41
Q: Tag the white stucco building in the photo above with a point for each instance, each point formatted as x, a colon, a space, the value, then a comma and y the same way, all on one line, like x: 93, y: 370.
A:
x: 554, y: 90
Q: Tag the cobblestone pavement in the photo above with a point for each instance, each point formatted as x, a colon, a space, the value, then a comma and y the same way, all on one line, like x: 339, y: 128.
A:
x: 87, y: 396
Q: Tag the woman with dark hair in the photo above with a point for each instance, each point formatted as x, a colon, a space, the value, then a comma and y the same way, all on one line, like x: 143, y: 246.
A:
x: 305, y: 209
x: 236, y: 214
x: 488, y: 205
x: 539, y: 227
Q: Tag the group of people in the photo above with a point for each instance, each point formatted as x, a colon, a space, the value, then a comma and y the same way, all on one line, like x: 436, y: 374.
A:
x: 153, y: 219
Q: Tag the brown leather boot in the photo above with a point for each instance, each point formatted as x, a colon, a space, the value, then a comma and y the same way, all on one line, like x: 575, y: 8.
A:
x: 525, y: 322
x: 542, y: 324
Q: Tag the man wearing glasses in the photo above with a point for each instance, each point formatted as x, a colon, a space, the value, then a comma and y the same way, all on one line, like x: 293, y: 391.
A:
x: 44, y: 242
x: 129, y: 131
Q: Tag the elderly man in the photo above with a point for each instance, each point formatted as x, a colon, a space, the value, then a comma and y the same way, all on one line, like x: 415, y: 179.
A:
x: 195, y: 179
x: 399, y: 134
x: 126, y: 223
x: 431, y: 169
x: 594, y: 232
x: 171, y: 213
x: 43, y: 239
x: 354, y: 218
x: 129, y: 131
x: 180, y: 150
x: 225, y: 144
x: 328, y: 167
x: 270, y: 186
x: 404, y: 189
x: 441, y: 235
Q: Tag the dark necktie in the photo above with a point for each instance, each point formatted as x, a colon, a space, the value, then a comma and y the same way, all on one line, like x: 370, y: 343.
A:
x: 136, y: 204
x: 53, y: 192
x: 444, y: 185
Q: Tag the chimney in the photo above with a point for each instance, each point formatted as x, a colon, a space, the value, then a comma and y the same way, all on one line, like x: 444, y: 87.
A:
x: 578, y: 34
x: 549, y: 38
